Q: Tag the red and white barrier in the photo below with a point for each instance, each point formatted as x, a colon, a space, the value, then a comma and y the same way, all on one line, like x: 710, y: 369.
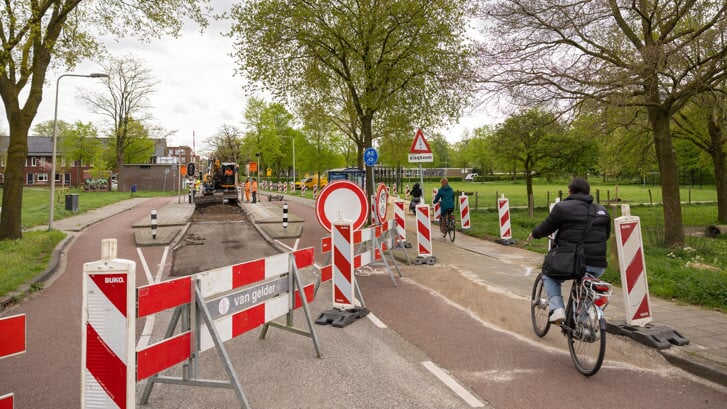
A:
x: 424, y: 235
x: 229, y: 300
x: 407, y: 191
x: 303, y: 188
x: 400, y: 218
x: 393, y: 188
x: 12, y: 342
x: 503, y: 206
x: 437, y: 207
x: 108, y: 331
x: 315, y: 191
x: 632, y: 264
x: 464, y: 211
x: 344, y: 280
x: 285, y: 188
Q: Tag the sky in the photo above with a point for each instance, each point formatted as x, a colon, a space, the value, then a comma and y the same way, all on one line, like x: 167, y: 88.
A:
x: 196, y: 93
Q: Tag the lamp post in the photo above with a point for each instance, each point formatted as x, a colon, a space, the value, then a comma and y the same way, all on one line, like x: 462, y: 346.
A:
x: 55, y: 137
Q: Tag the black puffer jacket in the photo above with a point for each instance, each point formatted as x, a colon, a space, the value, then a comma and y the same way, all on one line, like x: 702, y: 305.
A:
x: 569, y: 218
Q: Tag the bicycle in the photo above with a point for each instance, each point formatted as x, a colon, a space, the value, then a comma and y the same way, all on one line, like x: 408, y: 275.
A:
x: 584, y: 324
x: 448, y: 226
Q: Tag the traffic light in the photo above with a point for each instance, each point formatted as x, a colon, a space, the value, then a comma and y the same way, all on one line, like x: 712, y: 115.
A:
x: 190, y: 169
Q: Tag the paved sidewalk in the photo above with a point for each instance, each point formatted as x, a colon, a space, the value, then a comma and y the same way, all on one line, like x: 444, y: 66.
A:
x: 509, y: 269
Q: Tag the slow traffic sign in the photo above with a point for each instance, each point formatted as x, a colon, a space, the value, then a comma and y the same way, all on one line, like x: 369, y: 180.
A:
x: 420, y: 150
x: 382, y: 203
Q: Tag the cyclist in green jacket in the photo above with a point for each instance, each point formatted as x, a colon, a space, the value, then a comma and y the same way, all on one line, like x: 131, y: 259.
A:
x: 445, y: 195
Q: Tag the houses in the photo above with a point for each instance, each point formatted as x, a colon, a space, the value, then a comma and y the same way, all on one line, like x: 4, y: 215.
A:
x: 37, y: 167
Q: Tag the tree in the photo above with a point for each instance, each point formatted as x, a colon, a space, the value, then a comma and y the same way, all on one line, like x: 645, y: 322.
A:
x: 36, y: 34
x: 128, y: 88
x: 226, y: 143
x: 653, y: 55
x: 377, y: 56
x: 80, y: 143
x: 536, y: 142
x: 704, y: 124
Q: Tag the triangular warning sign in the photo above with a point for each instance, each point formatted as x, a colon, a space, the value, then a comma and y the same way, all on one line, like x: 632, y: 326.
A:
x: 420, y: 145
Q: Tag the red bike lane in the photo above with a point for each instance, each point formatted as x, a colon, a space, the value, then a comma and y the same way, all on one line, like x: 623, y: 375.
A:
x: 48, y: 374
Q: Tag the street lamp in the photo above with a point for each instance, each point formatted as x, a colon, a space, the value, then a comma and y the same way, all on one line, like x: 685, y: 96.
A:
x: 55, y: 136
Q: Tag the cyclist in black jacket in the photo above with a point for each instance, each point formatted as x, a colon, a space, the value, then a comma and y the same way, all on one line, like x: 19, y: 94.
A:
x: 569, y: 219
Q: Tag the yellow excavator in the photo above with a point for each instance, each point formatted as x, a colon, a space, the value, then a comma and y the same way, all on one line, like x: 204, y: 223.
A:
x: 219, y: 183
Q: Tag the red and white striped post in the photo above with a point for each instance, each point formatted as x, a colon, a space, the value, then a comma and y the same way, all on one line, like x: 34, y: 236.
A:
x: 503, y: 206
x: 400, y: 219
x: 303, y: 188
x: 631, y: 262
x: 464, y: 212
x: 393, y: 188
x: 108, y: 327
x: 344, y: 280
x: 315, y: 191
x: 407, y: 191
x: 12, y: 342
x: 437, y: 207
x: 424, y: 235
x: 285, y: 188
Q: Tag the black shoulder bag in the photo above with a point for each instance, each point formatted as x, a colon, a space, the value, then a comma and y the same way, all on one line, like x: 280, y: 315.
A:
x: 568, y: 262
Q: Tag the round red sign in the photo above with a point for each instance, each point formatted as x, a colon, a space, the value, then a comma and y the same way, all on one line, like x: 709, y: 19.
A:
x: 342, y: 200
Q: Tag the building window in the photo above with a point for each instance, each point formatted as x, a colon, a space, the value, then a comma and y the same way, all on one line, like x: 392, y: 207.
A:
x: 30, y: 178
x: 33, y: 161
x: 42, y: 177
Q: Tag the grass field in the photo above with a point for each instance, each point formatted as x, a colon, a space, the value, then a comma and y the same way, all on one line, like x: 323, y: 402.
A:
x: 22, y: 259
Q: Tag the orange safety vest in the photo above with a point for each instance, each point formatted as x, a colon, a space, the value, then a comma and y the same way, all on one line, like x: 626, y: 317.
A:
x: 254, y: 185
x: 247, y: 186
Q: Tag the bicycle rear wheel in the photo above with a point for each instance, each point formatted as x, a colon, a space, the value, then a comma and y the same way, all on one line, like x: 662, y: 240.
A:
x: 451, y: 228
x: 539, y: 313
x: 587, y: 341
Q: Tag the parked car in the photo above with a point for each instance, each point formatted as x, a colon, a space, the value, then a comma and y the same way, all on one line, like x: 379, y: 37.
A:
x: 309, y: 182
x: 471, y: 176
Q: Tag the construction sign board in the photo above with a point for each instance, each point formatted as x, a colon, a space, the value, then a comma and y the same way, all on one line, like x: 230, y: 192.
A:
x: 420, y: 150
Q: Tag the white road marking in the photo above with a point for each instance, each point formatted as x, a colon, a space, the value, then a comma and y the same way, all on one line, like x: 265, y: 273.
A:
x: 453, y: 385
x: 284, y: 245
x: 148, y: 330
x: 149, y: 279
x: 376, y: 320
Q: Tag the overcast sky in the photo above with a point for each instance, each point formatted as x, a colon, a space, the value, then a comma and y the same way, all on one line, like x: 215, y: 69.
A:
x: 197, y: 90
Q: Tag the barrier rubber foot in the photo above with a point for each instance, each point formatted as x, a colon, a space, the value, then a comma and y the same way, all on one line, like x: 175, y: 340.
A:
x: 506, y: 242
x: 659, y: 337
x: 341, y: 318
x: 425, y: 260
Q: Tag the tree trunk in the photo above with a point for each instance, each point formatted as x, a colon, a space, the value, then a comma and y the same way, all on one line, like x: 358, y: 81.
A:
x: 673, y: 226
x: 10, y: 218
x: 367, y: 139
x: 720, y: 168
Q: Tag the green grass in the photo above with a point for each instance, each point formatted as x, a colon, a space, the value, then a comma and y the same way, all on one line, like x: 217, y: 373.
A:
x: 20, y: 260
x: 36, y: 203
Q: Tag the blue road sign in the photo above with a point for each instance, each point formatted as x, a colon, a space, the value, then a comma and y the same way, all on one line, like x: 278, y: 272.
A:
x: 370, y: 156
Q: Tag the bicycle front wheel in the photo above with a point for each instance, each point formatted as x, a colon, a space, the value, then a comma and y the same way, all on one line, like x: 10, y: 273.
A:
x: 587, y: 341
x: 539, y: 313
x: 451, y: 229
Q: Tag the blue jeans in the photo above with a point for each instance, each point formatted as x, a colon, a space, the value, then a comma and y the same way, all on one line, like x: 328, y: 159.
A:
x: 552, y: 286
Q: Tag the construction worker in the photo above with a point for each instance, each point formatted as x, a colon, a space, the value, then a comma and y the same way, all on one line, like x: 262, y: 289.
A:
x: 247, y: 190
x: 254, y: 190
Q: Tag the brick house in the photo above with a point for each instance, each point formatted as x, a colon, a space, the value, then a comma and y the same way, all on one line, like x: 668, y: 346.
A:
x: 38, y: 164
